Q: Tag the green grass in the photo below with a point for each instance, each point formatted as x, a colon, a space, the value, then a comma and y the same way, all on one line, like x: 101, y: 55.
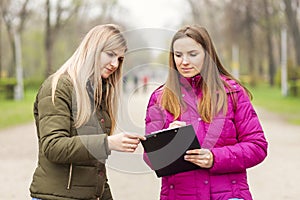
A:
x: 20, y: 112
x: 271, y: 99
x: 16, y: 112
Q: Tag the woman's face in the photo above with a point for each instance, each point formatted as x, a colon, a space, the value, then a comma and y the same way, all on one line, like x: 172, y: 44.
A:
x: 189, y: 56
x: 110, y: 61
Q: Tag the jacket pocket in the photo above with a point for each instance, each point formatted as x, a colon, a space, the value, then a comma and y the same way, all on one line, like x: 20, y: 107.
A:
x: 239, y: 185
x: 84, y: 176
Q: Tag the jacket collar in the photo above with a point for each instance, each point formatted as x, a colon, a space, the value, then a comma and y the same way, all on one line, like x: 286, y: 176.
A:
x: 190, y: 82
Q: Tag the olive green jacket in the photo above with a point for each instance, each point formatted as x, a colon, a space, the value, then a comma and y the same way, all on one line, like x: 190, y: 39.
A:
x: 70, y: 161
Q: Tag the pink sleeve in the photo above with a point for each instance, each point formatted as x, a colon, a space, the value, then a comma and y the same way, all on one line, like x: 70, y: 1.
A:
x: 251, y: 148
x: 155, y: 119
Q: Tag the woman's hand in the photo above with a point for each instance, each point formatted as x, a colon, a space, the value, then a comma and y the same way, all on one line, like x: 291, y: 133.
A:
x: 201, y: 157
x: 126, y: 142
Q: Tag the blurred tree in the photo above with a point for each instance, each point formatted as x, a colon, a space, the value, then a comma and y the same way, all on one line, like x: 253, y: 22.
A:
x: 98, y: 12
x: 67, y: 33
x: 247, y: 34
x: 244, y: 25
x: 268, y: 34
x: 14, y: 14
x: 250, y: 35
x: 73, y: 18
x: 0, y: 45
x: 228, y: 30
x: 107, y: 9
x: 58, y: 13
x: 232, y: 32
x: 208, y: 13
x: 291, y: 9
x: 196, y: 11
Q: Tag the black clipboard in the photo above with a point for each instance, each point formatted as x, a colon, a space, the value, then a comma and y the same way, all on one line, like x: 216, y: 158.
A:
x: 166, y: 149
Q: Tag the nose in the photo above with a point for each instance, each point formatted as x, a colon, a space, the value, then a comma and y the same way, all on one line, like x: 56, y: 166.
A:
x: 115, y: 62
x: 185, y: 60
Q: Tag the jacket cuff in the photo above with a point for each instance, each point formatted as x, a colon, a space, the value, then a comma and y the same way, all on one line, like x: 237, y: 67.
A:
x: 108, y: 151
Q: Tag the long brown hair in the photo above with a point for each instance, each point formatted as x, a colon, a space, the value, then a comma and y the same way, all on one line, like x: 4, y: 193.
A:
x: 214, y: 97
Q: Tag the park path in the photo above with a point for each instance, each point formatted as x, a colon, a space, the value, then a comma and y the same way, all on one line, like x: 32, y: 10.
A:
x: 274, y: 179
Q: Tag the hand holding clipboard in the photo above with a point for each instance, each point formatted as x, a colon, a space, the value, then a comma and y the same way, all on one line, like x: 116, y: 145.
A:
x: 166, y: 150
x: 201, y: 157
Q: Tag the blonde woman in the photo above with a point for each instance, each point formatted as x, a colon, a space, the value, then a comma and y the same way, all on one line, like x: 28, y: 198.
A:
x: 75, y: 114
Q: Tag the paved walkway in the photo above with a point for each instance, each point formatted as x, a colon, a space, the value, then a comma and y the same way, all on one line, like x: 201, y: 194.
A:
x: 276, y: 178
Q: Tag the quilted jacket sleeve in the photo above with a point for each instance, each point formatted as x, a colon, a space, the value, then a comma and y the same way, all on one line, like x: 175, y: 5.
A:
x: 251, y: 148
x: 56, y: 128
x: 155, y: 118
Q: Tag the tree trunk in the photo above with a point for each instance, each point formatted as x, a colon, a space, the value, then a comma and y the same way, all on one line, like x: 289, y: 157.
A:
x: 19, y: 89
x: 11, y: 41
x: 48, y: 41
x: 0, y: 48
x: 13, y: 46
x: 250, y: 42
x: 269, y: 44
x: 294, y: 28
x: 14, y: 21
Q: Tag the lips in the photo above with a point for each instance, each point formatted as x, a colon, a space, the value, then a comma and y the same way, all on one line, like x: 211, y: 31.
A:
x: 110, y: 70
x: 186, y: 68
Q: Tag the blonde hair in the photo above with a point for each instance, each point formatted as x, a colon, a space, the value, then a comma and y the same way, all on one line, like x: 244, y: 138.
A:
x: 83, y: 66
x: 214, y: 97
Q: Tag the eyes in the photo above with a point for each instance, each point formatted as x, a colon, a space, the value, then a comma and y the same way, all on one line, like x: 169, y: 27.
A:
x: 191, y: 54
x: 112, y: 54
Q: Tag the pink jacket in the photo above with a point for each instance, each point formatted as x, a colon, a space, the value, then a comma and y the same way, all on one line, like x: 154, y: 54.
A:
x: 237, y: 142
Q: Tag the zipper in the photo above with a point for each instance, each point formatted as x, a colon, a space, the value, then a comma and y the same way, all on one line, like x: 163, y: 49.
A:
x: 100, y: 174
x: 70, y: 176
x: 193, y: 82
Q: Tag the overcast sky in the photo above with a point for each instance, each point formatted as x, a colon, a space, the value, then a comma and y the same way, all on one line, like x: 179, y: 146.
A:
x: 155, y: 13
